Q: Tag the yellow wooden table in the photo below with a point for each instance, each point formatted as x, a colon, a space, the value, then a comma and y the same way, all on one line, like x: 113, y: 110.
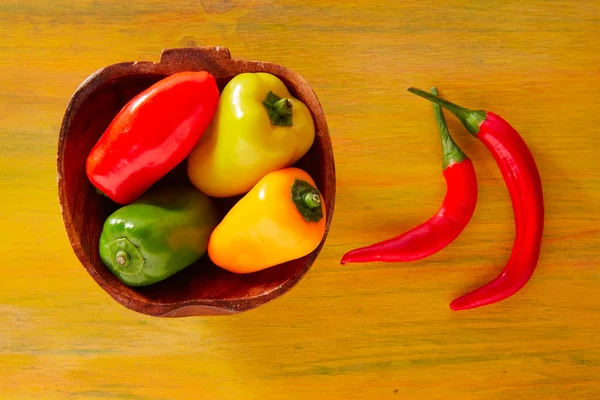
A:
x: 353, y: 332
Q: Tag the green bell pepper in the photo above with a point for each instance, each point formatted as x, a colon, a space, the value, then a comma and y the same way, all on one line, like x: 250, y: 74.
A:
x: 158, y: 235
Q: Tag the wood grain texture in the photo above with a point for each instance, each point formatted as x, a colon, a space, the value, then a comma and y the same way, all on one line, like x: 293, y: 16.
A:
x: 353, y: 332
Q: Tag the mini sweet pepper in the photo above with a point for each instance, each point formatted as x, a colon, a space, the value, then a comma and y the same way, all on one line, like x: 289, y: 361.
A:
x: 154, y: 132
x: 281, y: 219
x: 259, y: 127
x: 161, y: 233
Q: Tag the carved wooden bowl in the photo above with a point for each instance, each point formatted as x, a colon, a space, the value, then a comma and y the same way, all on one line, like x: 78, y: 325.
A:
x: 202, y: 288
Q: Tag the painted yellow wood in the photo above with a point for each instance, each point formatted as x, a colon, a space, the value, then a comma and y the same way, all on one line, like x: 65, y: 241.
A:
x: 353, y: 332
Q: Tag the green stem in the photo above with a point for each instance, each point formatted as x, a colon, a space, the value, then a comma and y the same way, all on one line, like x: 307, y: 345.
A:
x: 452, y: 153
x: 283, y: 107
x: 471, y: 119
x: 122, y: 258
x: 307, y: 200
x: 125, y: 257
x: 312, y: 199
x: 279, y: 109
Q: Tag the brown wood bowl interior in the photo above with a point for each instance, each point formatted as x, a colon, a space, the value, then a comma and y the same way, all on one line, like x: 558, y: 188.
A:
x: 202, y: 288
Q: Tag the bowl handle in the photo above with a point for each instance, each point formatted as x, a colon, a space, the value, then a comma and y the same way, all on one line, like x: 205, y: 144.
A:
x: 216, y: 59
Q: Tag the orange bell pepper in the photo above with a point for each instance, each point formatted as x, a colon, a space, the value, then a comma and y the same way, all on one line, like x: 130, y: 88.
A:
x: 281, y: 218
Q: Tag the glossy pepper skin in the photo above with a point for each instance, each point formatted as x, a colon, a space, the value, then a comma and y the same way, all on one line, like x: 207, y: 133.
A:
x: 258, y: 128
x: 160, y: 234
x: 522, y: 178
x: 446, y: 225
x: 151, y: 134
x: 282, y: 218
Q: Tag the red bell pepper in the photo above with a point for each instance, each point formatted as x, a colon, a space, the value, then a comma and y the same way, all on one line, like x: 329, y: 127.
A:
x: 153, y: 133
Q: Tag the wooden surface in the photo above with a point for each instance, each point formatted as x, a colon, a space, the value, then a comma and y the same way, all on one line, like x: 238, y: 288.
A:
x: 352, y: 332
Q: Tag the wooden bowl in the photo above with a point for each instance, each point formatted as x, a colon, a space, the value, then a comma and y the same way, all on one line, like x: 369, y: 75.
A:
x: 202, y: 288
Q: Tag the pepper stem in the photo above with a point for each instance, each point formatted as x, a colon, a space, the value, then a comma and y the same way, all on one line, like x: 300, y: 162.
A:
x: 307, y: 200
x: 122, y: 258
x: 452, y: 153
x: 471, y: 119
x: 125, y: 257
x: 279, y: 109
x: 312, y: 199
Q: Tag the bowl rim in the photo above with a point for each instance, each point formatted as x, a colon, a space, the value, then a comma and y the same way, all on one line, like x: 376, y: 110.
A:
x: 195, y: 58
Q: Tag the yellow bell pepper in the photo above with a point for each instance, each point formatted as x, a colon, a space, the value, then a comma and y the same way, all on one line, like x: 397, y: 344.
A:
x: 258, y: 128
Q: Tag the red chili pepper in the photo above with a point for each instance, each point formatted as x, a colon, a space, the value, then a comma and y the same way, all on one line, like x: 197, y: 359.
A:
x: 522, y: 178
x: 445, y: 226
x: 153, y: 133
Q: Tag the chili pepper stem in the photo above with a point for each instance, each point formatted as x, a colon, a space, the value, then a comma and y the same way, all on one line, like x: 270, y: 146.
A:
x: 471, y: 119
x: 452, y: 153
